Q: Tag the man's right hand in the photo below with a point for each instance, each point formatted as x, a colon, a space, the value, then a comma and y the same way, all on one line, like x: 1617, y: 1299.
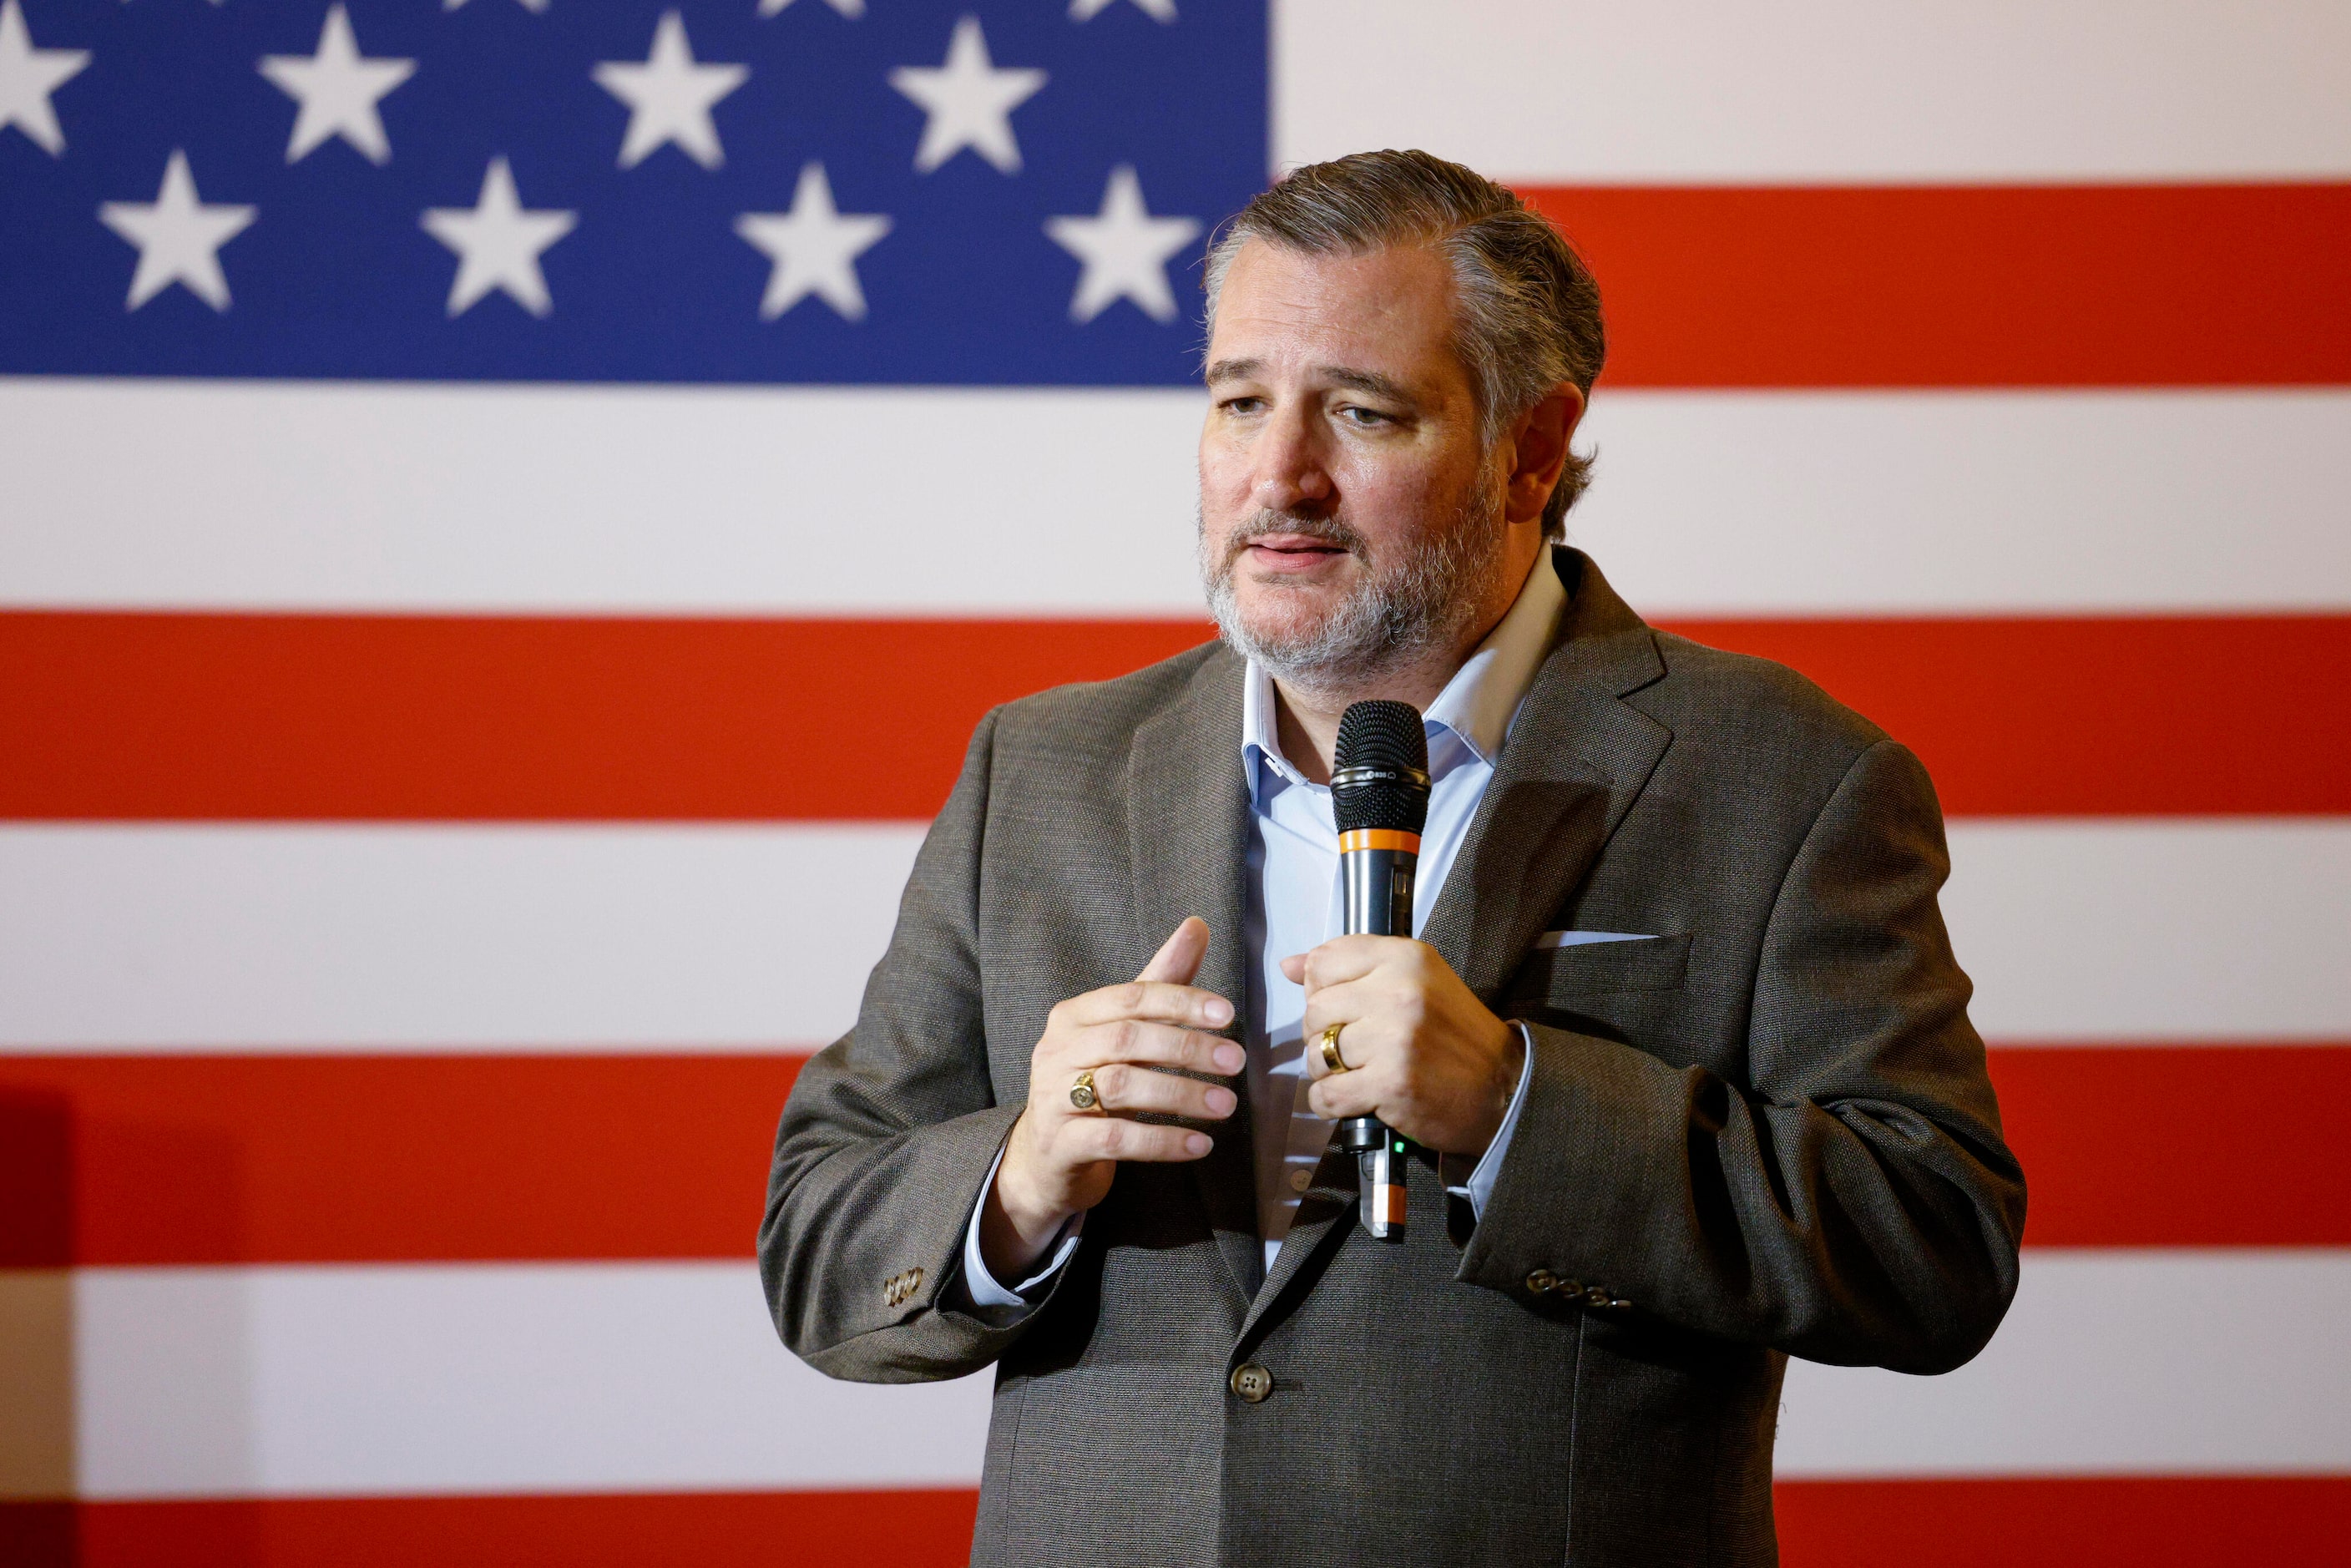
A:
x: 1060, y: 1160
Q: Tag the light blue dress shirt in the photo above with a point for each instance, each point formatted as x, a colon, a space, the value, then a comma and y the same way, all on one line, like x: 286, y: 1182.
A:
x: 1294, y: 904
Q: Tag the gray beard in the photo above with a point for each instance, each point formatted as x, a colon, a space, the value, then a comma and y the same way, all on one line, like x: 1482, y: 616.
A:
x: 1399, y: 615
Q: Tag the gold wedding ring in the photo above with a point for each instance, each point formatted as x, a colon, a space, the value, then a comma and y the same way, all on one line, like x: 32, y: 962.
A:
x: 1082, y: 1092
x: 1330, y: 1044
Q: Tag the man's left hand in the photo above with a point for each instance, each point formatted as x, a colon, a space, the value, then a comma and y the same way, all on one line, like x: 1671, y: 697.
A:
x: 1422, y: 1053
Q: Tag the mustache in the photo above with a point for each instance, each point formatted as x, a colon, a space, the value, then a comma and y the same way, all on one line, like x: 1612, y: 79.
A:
x: 1267, y: 524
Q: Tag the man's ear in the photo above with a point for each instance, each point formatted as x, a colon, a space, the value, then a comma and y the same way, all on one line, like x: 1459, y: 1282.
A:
x: 1540, y: 448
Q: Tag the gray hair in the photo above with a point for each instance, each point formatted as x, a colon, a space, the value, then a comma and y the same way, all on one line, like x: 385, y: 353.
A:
x: 1529, y: 311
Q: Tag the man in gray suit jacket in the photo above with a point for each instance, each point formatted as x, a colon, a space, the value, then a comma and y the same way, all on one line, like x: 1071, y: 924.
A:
x: 1683, y: 1043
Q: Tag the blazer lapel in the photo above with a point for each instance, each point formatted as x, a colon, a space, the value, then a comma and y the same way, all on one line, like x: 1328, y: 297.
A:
x: 1575, y: 761
x: 1331, y: 1201
x: 1187, y: 842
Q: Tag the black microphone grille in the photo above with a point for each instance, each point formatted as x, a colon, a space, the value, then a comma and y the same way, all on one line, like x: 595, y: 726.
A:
x: 1380, y: 772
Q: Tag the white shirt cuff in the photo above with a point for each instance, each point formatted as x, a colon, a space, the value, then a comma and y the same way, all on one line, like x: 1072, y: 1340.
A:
x: 1481, y: 1180
x: 982, y: 1285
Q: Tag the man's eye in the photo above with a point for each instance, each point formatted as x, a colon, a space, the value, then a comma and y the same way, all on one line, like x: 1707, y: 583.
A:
x: 1355, y: 415
x: 1243, y: 404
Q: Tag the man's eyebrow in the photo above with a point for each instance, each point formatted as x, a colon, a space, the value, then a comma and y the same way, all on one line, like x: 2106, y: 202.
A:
x: 1367, y: 382
x: 1370, y: 382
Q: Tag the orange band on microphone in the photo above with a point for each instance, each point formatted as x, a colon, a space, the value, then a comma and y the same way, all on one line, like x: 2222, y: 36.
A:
x: 1378, y: 838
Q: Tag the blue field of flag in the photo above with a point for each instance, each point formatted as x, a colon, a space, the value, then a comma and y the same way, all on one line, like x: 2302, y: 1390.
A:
x: 929, y: 192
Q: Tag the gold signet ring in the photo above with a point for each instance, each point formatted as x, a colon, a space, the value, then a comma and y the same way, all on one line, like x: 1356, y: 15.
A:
x: 1330, y: 1044
x: 1082, y: 1092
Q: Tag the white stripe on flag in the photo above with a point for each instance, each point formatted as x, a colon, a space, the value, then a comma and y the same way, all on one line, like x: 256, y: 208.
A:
x: 1821, y: 91
x: 272, y: 937
x: 765, y: 500
x: 499, y: 1378
x: 294, y: 937
x: 2111, y: 1362
x: 2200, y: 930
x: 1791, y: 503
x: 581, y: 1377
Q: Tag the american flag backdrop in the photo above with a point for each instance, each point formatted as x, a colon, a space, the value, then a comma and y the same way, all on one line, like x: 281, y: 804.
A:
x: 510, y: 509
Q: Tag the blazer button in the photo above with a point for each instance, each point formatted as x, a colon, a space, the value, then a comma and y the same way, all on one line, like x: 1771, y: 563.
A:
x: 1252, y: 1381
x: 1541, y: 1279
x: 1596, y: 1297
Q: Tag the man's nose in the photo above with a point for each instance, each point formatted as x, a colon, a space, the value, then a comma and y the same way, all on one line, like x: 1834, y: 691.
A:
x: 1292, y: 472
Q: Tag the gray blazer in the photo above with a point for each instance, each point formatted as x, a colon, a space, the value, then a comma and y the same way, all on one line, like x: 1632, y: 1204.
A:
x: 1768, y: 1132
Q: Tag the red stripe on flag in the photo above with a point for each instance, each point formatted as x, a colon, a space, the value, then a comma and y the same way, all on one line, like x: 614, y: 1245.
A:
x: 2026, y: 1522
x: 332, y: 1158
x: 2093, y: 715
x: 2177, y: 1146
x: 2064, y: 1522
x: 203, y: 716
x: 741, y: 1530
x: 1968, y: 287
x: 256, y: 717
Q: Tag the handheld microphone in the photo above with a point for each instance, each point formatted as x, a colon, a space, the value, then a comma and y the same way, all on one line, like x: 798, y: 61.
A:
x: 1379, y: 793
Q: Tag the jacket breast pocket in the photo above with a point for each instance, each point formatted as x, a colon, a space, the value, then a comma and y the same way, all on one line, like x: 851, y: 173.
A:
x: 1557, y: 976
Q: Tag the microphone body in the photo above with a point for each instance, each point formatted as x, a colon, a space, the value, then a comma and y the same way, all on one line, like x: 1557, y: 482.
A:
x: 1379, y: 791
x: 1378, y: 866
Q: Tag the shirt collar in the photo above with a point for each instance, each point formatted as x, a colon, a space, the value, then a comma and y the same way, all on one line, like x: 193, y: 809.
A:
x: 1484, y: 694
x: 1476, y: 705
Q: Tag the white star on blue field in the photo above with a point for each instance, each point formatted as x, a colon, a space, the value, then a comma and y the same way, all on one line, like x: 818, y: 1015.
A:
x: 929, y: 192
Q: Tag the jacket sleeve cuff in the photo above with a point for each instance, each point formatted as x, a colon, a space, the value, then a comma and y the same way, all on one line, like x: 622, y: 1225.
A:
x: 1479, y: 1188
x: 1568, y: 1198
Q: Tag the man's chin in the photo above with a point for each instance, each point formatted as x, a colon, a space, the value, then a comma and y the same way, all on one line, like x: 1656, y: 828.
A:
x: 1296, y: 623
x: 1271, y: 598
x: 1296, y: 648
